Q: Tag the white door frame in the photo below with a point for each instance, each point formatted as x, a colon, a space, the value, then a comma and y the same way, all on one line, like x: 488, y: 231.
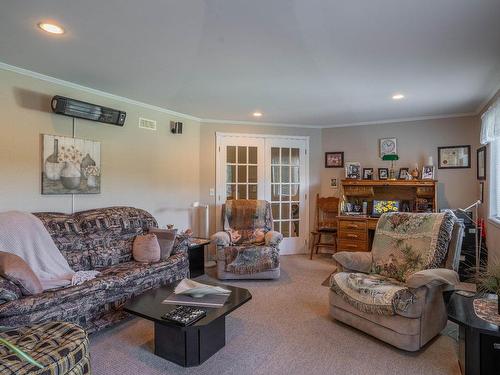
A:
x: 218, y: 174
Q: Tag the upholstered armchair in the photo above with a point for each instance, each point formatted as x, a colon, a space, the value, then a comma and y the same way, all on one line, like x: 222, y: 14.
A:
x: 395, y: 292
x: 247, y: 248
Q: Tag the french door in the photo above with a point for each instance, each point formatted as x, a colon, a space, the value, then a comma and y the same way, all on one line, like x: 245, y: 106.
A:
x: 271, y: 168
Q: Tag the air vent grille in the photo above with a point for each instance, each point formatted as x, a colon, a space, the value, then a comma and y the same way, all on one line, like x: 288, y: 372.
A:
x: 144, y: 123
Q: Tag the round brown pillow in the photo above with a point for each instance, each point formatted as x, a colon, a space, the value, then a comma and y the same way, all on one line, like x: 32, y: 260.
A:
x: 146, y: 248
x: 15, y: 269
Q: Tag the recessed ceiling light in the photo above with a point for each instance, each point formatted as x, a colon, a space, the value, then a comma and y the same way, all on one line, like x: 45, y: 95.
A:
x: 257, y: 114
x: 398, y: 96
x: 51, y: 28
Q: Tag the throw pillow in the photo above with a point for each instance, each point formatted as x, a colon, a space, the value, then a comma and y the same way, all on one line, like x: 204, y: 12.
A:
x: 258, y: 236
x: 146, y: 248
x: 15, y: 269
x: 166, y: 239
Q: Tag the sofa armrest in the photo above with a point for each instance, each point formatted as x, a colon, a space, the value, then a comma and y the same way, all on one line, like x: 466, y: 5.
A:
x: 433, y: 277
x: 273, y: 238
x: 359, y: 261
x: 221, y: 239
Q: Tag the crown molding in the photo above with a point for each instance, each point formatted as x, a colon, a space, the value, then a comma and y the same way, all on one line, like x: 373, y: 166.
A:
x: 89, y: 90
x: 399, y: 120
x: 108, y: 95
x: 258, y: 123
x: 483, y: 106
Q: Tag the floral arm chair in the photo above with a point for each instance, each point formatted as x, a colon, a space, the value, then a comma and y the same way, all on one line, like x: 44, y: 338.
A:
x: 247, y: 247
x: 395, y: 292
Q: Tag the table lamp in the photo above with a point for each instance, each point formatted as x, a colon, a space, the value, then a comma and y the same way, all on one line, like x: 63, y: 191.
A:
x: 391, y: 158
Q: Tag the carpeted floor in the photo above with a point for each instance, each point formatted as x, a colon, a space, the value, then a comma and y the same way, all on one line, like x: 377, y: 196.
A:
x: 284, y: 329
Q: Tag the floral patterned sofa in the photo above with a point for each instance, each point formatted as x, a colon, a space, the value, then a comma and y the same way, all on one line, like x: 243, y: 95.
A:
x: 99, y: 239
x: 395, y: 292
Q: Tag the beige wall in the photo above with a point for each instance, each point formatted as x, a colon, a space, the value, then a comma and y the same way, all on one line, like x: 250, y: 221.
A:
x: 416, y: 142
x: 207, y: 159
x: 157, y: 171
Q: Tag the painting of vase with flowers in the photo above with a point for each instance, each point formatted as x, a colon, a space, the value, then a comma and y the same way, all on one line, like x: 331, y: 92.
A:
x: 70, y: 165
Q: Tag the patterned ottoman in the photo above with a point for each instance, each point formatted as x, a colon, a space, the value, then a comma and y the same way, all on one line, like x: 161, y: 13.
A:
x: 63, y: 348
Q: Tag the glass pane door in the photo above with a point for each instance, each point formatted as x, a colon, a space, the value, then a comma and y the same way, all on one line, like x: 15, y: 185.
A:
x: 241, y: 172
x: 287, y: 185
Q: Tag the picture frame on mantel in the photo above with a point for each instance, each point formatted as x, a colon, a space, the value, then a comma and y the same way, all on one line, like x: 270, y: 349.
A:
x: 454, y: 157
x: 481, y: 163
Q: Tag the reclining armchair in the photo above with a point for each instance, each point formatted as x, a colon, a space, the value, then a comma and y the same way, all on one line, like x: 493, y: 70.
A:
x: 395, y: 292
x: 247, y: 248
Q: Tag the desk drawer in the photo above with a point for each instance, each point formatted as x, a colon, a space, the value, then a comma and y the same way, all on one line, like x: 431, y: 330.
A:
x: 353, y: 235
x: 351, y: 225
x: 350, y: 245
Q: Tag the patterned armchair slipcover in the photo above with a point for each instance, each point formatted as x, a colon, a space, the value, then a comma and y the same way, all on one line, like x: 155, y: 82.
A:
x: 247, y: 247
x: 395, y: 292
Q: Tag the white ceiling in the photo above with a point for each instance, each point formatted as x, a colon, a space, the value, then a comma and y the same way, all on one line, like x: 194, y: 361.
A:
x: 310, y: 62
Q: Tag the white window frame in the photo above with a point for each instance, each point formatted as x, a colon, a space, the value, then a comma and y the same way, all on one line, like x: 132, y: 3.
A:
x: 494, y: 183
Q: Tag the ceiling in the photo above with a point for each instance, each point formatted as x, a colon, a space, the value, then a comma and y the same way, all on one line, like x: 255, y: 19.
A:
x: 309, y: 62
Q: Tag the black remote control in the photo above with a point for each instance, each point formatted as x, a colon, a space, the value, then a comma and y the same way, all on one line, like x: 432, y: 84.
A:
x: 184, y: 315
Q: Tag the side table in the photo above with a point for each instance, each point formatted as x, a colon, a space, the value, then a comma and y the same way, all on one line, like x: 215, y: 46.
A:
x: 478, y: 340
x: 196, y: 251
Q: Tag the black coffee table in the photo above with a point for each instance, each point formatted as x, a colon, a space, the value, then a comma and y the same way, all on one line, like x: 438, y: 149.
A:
x: 186, y: 346
x: 479, y: 341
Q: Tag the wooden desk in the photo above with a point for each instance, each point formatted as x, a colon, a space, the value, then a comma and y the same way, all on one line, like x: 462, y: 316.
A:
x: 355, y: 233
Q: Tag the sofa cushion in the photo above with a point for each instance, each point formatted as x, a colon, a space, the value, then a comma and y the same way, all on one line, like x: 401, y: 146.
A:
x: 406, y: 243
x: 97, y: 238
x: 371, y: 293
x: 15, y: 269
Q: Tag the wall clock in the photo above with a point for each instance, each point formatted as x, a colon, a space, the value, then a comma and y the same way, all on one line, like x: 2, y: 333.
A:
x: 388, y: 146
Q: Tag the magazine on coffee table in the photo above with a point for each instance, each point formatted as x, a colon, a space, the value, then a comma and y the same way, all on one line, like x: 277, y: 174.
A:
x: 192, y: 293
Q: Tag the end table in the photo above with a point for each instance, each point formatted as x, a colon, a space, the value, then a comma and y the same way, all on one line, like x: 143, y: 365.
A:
x: 196, y: 251
x: 478, y: 340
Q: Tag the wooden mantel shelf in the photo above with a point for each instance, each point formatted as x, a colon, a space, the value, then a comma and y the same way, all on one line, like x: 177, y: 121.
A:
x: 353, y: 182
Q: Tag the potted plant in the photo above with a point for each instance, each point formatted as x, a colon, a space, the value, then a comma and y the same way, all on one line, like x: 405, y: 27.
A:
x: 18, y: 352
x: 488, y: 280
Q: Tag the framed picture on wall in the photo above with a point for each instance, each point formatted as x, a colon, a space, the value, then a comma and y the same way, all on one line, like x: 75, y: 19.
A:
x: 481, y: 192
x: 481, y: 163
x: 334, y: 159
x: 453, y: 157
x: 333, y: 183
x: 70, y: 165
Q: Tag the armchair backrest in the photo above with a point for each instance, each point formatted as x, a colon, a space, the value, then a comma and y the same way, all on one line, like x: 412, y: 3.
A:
x: 247, y: 214
x: 406, y: 243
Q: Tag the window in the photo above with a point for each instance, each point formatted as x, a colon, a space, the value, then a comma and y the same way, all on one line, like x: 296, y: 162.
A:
x: 495, y: 179
x: 490, y: 134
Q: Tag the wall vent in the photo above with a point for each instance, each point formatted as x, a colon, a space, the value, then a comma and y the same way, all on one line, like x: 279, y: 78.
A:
x: 144, y: 123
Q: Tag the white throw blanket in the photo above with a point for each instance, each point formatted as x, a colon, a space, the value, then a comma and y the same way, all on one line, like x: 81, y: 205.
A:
x: 24, y: 235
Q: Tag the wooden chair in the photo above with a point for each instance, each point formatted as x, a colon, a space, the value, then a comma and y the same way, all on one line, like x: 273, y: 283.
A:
x: 327, y: 210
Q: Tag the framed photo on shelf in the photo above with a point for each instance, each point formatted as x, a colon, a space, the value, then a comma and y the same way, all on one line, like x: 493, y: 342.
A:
x: 403, y: 173
x: 353, y: 170
x: 453, y: 157
x: 383, y: 173
x: 428, y: 172
x: 334, y: 159
x: 481, y: 163
x: 367, y: 173
x: 388, y: 146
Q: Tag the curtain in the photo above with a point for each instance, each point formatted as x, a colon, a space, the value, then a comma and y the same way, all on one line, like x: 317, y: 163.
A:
x: 490, y: 123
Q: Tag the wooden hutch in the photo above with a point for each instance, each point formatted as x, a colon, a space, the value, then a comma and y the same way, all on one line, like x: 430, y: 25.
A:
x: 355, y: 231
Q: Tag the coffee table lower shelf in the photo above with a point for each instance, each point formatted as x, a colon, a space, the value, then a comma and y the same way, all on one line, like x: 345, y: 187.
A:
x: 190, y: 346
